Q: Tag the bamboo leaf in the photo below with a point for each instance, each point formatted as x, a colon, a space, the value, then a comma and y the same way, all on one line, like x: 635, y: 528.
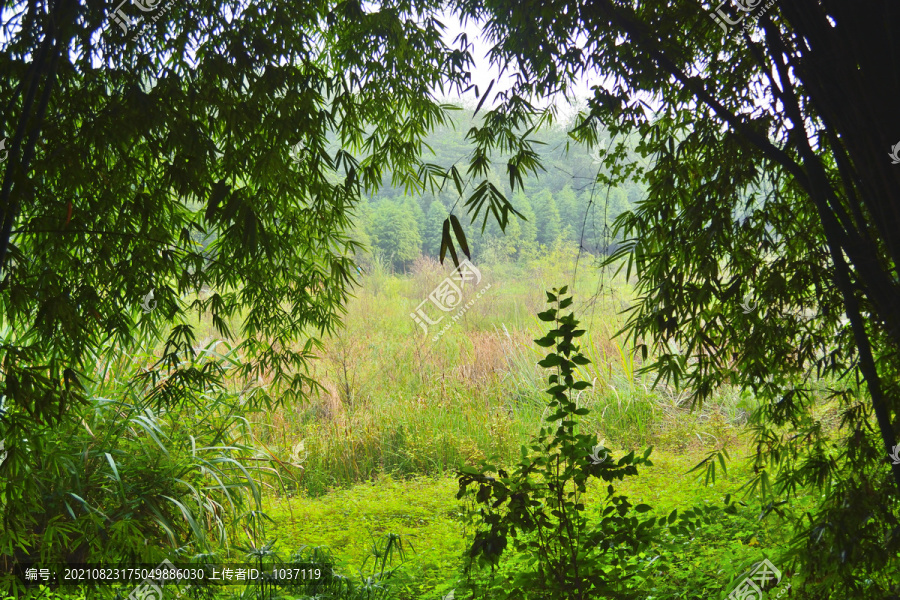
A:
x: 460, y: 236
x: 115, y: 471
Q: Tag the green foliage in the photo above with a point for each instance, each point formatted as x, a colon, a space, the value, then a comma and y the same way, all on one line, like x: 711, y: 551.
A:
x: 765, y: 250
x: 475, y: 392
x: 154, y: 146
x: 46, y: 593
x: 210, y: 166
x: 556, y: 207
x: 425, y: 512
x: 161, y: 164
x: 431, y: 233
x: 129, y: 480
x: 376, y: 579
x: 548, y: 225
x: 539, y: 506
x: 422, y: 510
x: 395, y: 232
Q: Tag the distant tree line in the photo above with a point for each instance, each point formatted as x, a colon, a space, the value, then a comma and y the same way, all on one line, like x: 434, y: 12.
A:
x: 563, y: 205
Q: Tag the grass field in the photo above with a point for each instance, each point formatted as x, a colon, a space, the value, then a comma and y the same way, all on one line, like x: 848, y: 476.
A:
x: 426, y: 515
x: 397, y: 402
x: 374, y: 454
x: 401, y: 412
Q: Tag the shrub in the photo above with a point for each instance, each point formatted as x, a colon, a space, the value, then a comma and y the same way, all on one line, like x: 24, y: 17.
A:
x: 558, y: 552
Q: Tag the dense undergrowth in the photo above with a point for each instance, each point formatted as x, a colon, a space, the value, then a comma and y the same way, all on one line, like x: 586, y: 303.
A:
x: 367, y: 468
x: 396, y: 402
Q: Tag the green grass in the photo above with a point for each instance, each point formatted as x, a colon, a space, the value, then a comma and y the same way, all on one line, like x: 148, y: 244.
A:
x: 425, y: 513
x: 397, y: 403
x: 376, y: 452
x: 379, y: 450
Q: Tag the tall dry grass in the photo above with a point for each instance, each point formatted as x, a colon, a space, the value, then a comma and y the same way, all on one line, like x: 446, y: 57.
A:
x: 394, y: 401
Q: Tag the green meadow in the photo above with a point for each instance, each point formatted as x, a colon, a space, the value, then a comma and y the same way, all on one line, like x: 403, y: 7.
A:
x: 375, y: 453
x: 363, y: 475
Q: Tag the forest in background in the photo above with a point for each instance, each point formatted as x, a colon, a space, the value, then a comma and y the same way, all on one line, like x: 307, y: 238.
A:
x: 563, y: 205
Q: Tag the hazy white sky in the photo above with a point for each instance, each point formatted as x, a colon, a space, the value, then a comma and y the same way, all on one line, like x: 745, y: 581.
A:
x: 483, y: 71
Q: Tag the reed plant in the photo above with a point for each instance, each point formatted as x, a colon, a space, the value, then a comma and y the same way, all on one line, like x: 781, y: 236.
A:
x: 394, y: 401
